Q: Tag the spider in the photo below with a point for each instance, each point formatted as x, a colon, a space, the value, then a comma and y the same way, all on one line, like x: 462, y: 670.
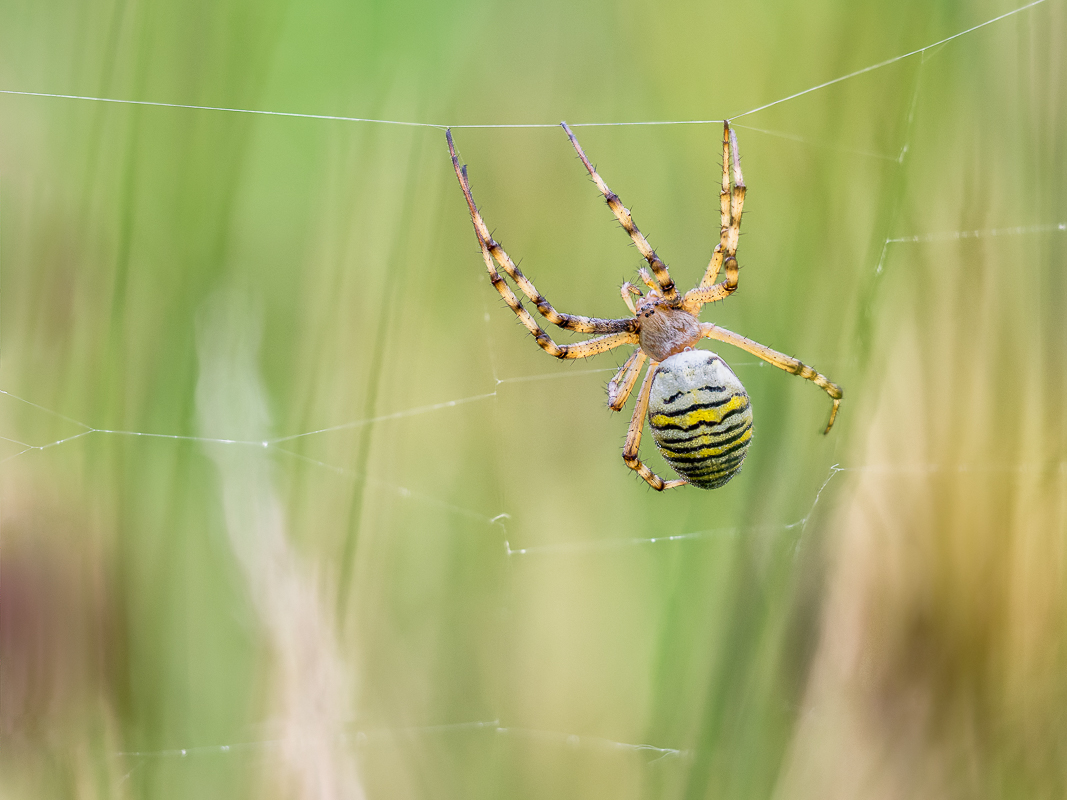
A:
x: 697, y: 409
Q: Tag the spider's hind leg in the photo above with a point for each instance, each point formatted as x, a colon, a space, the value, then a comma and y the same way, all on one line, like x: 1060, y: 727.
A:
x: 780, y: 360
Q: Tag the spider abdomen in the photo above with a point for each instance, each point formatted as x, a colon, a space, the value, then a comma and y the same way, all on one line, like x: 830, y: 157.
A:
x: 700, y: 417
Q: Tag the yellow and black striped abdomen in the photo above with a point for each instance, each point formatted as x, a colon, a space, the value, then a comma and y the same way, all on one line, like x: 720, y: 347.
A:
x: 700, y: 417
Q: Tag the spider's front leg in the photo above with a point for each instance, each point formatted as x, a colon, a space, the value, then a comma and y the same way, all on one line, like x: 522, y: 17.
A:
x: 622, y: 214
x: 633, y: 438
x: 731, y: 205
x: 590, y: 347
x: 492, y: 250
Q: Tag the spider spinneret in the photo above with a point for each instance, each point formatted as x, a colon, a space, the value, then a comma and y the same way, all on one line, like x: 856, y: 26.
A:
x: 697, y: 409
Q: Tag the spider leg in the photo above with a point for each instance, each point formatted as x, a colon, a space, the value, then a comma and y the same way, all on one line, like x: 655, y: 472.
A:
x: 622, y: 214
x: 731, y: 204
x: 597, y: 345
x: 697, y: 298
x: 715, y: 264
x: 633, y: 438
x: 492, y: 250
x: 780, y: 360
x: 622, y: 384
x: 590, y: 347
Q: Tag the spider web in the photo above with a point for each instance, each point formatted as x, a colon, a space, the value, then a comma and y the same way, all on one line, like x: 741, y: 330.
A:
x: 501, y: 392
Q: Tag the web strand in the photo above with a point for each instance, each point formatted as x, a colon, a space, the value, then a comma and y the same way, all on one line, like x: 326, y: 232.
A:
x: 816, y: 143
x: 441, y: 126
x: 605, y: 545
x: 887, y: 62
x: 613, y: 544
x: 387, y: 734
x: 950, y: 236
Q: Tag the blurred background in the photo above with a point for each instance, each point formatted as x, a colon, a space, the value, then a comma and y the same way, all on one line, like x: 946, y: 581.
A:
x: 293, y: 507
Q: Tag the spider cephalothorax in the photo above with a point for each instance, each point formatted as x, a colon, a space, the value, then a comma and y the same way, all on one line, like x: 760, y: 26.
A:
x: 697, y: 409
x: 664, y: 329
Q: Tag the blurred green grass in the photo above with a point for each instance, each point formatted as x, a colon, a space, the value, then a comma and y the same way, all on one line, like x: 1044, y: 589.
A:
x: 341, y: 610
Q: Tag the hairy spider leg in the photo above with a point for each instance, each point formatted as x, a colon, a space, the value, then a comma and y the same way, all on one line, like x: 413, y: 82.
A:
x: 780, y: 360
x: 731, y: 204
x: 725, y: 219
x: 622, y: 384
x: 622, y: 214
x: 696, y: 299
x: 590, y: 347
x: 633, y: 438
x: 492, y: 250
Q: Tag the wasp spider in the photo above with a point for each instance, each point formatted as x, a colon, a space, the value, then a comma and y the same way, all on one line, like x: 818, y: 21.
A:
x: 698, y: 411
